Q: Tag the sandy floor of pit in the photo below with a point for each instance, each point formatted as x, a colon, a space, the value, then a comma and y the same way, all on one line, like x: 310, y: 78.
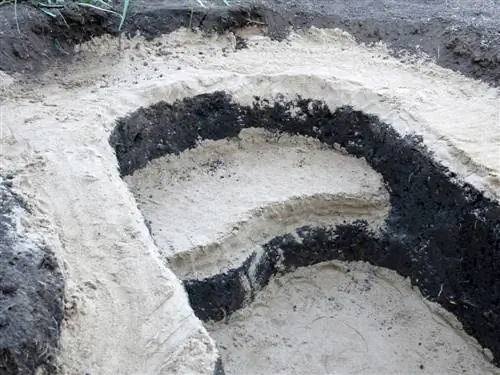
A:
x: 128, y: 312
x: 231, y: 195
x: 344, y: 318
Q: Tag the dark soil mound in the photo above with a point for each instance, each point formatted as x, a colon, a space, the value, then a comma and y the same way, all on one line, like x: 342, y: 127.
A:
x: 31, y: 294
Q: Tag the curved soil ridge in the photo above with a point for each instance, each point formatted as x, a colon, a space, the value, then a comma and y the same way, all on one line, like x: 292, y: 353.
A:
x: 441, y: 233
x: 456, y: 41
x: 234, y: 194
x: 268, y: 222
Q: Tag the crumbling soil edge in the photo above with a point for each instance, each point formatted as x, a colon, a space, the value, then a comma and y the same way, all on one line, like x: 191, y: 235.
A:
x: 31, y: 293
x: 473, y: 51
x: 270, y: 219
x: 443, y: 234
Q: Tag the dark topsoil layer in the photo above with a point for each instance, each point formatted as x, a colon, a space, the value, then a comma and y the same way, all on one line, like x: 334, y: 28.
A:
x: 455, y: 37
x: 442, y: 234
x: 31, y: 294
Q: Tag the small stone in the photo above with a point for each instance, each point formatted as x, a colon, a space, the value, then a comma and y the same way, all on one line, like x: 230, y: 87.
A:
x: 90, y: 284
x: 4, y: 320
x: 8, y: 287
x: 488, y: 354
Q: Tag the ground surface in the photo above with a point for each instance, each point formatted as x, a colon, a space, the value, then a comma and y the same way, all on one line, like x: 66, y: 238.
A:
x: 54, y: 138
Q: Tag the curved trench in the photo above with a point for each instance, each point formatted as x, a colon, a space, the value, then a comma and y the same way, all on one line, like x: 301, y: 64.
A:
x: 441, y: 233
x: 267, y: 224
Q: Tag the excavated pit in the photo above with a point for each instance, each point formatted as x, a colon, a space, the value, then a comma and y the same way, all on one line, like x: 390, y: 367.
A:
x: 56, y: 157
x: 407, y: 213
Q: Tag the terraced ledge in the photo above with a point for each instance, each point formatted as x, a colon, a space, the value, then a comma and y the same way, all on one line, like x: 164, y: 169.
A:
x: 264, y: 224
x: 233, y: 194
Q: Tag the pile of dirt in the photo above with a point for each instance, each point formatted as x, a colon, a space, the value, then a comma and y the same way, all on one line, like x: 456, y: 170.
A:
x: 31, y: 290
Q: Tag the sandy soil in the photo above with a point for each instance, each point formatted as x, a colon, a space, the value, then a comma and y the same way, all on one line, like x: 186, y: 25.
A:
x: 230, y: 196
x: 457, y: 116
x: 344, y: 318
x: 129, y: 312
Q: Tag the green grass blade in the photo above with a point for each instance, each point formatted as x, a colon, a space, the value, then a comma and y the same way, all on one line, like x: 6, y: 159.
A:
x: 15, y: 16
x: 126, y: 4
x: 99, y: 8
x: 48, y: 13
